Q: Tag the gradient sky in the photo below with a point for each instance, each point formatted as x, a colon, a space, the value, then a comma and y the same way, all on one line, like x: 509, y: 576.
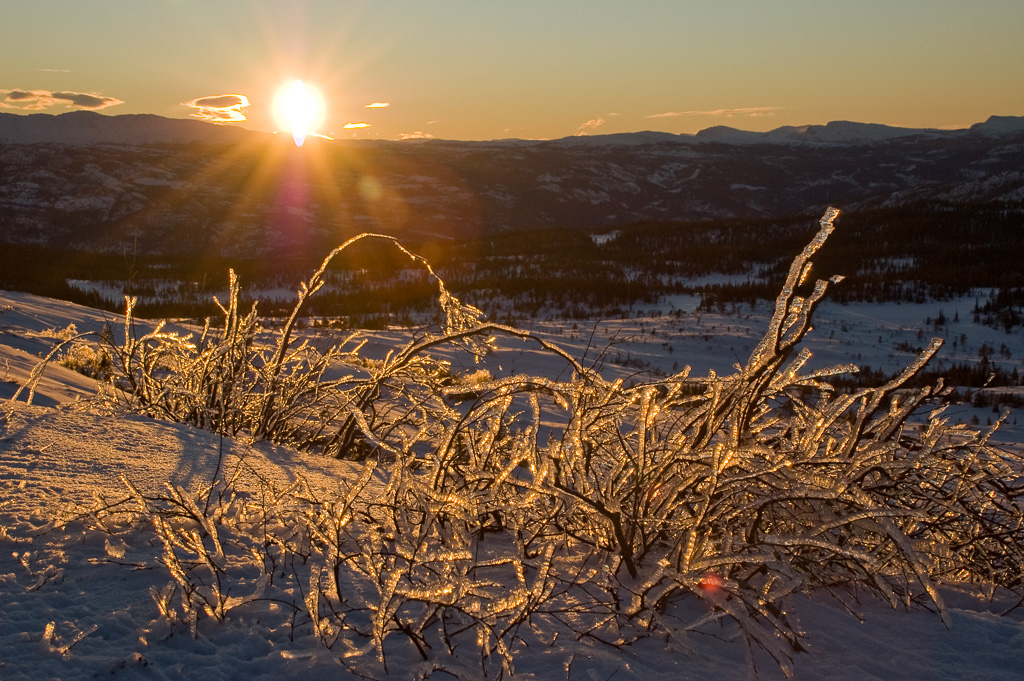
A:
x: 483, y: 69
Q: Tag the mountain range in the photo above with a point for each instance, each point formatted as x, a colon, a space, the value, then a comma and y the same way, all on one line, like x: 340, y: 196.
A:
x: 98, y: 182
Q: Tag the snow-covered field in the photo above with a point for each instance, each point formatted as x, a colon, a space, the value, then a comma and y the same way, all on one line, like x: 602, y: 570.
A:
x: 78, y: 602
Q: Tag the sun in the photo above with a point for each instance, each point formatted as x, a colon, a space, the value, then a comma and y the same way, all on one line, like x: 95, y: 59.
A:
x: 300, y: 109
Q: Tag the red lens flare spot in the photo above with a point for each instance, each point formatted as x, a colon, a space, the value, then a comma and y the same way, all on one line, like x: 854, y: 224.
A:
x: 711, y: 582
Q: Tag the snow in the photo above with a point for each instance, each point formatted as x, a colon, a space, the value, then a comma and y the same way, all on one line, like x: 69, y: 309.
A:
x: 601, y: 239
x: 78, y: 602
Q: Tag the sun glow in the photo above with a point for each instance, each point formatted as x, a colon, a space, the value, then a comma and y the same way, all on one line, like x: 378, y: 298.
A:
x: 300, y: 109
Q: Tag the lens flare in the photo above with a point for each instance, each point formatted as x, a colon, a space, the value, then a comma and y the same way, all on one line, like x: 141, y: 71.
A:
x: 711, y: 582
x: 300, y: 109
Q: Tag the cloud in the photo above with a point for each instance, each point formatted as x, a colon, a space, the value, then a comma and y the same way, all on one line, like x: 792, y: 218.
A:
x: 86, y: 100
x: 592, y: 124
x: 752, y: 111
x: 39, y: 100
x: 27, y: 95
x: 219, y: 108
x: 351, y: 126
x: 378, y: 105
x: 418, y: 135
x: 55, y: 70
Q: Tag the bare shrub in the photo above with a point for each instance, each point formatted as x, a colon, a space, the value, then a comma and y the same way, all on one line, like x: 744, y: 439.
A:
x: 487, y: 516
x: 88, y: 360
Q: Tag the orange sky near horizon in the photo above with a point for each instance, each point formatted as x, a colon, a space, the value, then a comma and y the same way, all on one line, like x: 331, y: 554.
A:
x: 457, y: 69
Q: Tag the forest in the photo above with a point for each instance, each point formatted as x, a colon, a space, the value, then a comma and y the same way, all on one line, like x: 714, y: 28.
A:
x: 908, y: 254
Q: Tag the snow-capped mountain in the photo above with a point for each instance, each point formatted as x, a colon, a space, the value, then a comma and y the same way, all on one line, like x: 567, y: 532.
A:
x: 94, y: 181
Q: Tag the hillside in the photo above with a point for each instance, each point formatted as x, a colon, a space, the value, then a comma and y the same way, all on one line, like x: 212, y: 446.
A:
x: 152, y: 185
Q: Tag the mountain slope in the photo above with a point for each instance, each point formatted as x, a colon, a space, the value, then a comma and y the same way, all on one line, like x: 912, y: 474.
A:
x: 84, y: 128
x: 66, y: 182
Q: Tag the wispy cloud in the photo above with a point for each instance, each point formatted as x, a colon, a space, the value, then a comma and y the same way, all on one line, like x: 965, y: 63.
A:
x: 418, y: 135
x: 752, y: 111
x: 353, y: 126
x: 55, y: 70
x: 39, y: 100
x: 589, y: 126
x: 219, y: 108
x: 378, y: 105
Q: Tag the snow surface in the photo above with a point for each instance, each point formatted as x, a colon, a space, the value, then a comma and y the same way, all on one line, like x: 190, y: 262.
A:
x: 76, y: 602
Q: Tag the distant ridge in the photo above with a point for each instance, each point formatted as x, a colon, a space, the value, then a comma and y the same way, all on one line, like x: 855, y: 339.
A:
x: 91, y: 181
x: 848, y: 132
x: 836, y: 132
x: 83, y: 128
x: 1000, y: 125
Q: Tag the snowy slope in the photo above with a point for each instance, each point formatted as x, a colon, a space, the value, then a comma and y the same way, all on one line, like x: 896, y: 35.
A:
x: 78, y: 603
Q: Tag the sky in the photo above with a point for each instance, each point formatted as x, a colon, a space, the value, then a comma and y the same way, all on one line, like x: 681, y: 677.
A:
x: 535, y: 69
